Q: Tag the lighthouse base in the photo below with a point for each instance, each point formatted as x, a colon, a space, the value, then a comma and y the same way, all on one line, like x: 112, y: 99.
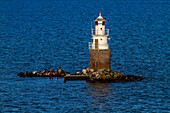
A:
x: 100, y: 59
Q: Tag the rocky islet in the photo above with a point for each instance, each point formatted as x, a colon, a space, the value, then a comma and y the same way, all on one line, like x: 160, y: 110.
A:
x: 90, y: 75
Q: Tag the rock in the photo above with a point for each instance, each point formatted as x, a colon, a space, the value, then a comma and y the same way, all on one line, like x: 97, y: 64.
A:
x: 60, y: 71
x: 34, y: 72
x: 78, y: 73
x: 132, y: 78
x: 108, y: 69
x: 39, y: 74
x: 87, y: 69
x: 22, y: 74
x: 44, y: 71
x: 126, y: 79
x: 120, y: 74
x: 115, y: 75
x: 139, y: 78
x: 90, y: 80
x: 100, y: 70
x: 90, y: 75
x: 94, y: 73
x: 91, y: 70
x: 84, y: 71
x: 46, y: 74
x: 97, y: 76
x: 62, y: 74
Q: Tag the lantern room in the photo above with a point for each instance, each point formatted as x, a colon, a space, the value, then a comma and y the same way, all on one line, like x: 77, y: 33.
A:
x: 100, y: 25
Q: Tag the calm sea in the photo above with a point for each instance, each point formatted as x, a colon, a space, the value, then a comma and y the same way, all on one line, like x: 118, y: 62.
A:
x: 39, y: 34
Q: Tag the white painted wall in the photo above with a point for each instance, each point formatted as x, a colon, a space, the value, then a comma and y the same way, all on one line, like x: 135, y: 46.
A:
x: 102, y: 42
x: 99, y: 29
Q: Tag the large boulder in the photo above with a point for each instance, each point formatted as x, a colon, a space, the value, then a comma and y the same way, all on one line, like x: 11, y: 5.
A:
x: 87, y: 69
x: 97, y: 75
x: 34, y: 72
x: 84, y: 71
x: 60, y: 71
x: 78, y: 73
x: 45, y: 70
x: 100, y: 70
x: 92, y: 70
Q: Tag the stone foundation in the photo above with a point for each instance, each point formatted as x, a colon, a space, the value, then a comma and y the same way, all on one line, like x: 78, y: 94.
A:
x: 100, y: 59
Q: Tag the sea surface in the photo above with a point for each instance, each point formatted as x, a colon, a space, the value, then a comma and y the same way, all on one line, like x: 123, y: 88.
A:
x: 51, y: 34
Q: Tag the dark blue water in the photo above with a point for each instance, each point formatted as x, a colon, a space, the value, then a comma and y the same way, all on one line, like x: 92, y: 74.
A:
x: 39, y: 34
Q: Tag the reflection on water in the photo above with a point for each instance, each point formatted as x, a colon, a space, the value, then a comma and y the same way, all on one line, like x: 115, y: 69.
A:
x: 102, y: 95
x: 99, y: 89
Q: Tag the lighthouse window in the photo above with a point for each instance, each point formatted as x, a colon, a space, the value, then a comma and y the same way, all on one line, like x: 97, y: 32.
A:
x: 100, y: 28
x: 103, y: 23
x: 101, y: 39
x: 96, y: 23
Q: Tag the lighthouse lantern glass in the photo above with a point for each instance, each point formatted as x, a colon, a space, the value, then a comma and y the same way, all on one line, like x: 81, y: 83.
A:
x: 96, y: 23
x: 103, y: 23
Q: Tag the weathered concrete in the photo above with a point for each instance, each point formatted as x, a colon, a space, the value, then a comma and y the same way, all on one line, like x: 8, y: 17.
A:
x: 100, y: 59
x: 76, y: 77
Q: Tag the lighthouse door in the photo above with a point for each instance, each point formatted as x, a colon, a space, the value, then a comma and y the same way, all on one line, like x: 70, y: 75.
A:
x: 96, y: 44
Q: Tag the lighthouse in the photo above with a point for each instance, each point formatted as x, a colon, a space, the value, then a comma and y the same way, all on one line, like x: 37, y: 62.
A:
x: 99, y: 49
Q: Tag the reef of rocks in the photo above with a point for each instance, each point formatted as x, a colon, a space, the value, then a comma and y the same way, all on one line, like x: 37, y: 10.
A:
x: 87, y: 74
x: 104, y: 75
x: 45, y: 73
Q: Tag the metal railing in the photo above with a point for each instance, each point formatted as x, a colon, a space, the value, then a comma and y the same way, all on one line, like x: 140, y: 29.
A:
x: 90, y: 45
x: 105, y: 33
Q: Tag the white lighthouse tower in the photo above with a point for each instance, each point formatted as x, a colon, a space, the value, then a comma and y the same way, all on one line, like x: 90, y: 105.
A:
x: 100, y: 34
x: 99, y: 49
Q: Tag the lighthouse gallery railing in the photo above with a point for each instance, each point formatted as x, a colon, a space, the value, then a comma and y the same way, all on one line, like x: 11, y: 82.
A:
x: 91, y: 43
x: 106, y: 32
